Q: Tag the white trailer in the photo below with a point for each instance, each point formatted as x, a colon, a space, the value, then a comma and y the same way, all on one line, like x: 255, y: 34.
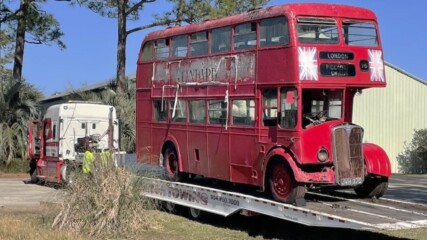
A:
x: 321, y: 210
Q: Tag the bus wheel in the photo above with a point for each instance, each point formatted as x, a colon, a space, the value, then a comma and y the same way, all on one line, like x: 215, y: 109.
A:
x: 282, y: 184
x: 171, y: 164
x: 372, y: 187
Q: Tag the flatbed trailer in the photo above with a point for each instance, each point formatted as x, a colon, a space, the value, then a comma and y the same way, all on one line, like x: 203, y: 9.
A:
x: 337, y: 210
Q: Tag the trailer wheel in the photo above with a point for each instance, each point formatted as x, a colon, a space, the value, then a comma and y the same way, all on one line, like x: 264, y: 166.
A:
x: 195, y: 214
x: 171, y: 164
x: 282, y: 184
x: 372, y: 187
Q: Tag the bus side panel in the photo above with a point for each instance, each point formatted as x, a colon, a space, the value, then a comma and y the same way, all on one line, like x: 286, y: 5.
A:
x: 144, y: 75
x: 197, y: 150
x: 147, y: 149
x: 275, y: 65
x: 243, y: 154
x: 218, y: 152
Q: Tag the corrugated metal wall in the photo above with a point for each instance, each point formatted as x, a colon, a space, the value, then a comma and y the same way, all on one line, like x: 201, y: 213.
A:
x: 390, y: 115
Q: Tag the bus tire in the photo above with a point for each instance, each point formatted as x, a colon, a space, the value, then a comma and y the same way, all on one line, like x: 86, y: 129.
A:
x: 171, y: 164
x: 282, y: 184
x: 372, y: 187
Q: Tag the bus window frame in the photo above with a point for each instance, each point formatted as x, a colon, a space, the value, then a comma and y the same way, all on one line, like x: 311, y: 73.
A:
x: 288, y: 31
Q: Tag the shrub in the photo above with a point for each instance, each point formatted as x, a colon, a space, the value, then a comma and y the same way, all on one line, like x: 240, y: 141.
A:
x: 413, y: 160
x: 108, y: 201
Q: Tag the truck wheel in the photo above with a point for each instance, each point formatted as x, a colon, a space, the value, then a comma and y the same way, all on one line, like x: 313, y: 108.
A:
x: 171, y: 164
x: 372, y: 187
x: 33, y: 172
x: 282, y: 184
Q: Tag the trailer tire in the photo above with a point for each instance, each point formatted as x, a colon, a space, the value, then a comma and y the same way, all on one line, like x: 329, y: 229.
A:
x: 195, y: 214
x: 171, y: 164
x: 282, y: 184
x: 372, y: 187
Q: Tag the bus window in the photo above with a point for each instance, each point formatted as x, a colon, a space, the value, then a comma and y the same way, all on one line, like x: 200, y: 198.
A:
x: 274, y: 31
x: 162, y: 49
x: 217, y: 111
x: 245, y: 36
x: 317, y: 30
x: 360, y: 34
x: 197, y: 110
x: 269, y: 105
x: 160, y: 113
x: 179, y: 46
x: 220, y: 40
x: 147, y: 51
x: 321, y: 105
x: 243, y: 112
x: 199, y: 44
x: 180, y: 111
x: 289, y: 104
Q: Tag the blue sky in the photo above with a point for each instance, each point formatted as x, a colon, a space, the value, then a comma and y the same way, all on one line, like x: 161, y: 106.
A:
x: 90, y: 56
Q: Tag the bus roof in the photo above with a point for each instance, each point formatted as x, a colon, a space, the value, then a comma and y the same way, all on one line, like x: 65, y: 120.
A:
x: 307, y: 9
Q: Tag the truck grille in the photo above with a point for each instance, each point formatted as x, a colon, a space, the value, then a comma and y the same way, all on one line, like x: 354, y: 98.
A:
x: 348, y: 155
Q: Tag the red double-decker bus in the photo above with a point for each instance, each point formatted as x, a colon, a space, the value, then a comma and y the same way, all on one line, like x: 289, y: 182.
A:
x: 264, y: 98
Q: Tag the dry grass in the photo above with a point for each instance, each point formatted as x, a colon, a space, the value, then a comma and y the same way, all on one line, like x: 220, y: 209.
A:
x: 106, y: 202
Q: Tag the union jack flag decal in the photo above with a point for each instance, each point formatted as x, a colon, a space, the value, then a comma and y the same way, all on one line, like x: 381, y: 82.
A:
x: 376, y: 65
x: 307, y: 58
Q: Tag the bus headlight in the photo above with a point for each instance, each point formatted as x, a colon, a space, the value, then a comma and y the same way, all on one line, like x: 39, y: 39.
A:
x: 323, y: 155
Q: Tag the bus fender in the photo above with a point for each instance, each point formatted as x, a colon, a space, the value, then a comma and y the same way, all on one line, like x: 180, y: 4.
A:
x: 172, y: 140
x: 376, y: 160
x: 282, y: 153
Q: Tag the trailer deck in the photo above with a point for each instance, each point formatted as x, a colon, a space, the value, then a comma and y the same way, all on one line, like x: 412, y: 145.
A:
x: 336, y: 210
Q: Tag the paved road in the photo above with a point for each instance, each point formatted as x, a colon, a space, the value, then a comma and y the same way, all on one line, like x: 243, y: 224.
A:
x: 412, y: 188
x: 17, y: 193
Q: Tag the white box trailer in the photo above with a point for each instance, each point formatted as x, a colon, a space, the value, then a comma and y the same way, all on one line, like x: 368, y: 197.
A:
x: 65, y: 133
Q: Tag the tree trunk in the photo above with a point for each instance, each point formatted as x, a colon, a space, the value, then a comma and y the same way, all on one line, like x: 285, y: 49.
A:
x: 121, y: 47
x: 20, y: 41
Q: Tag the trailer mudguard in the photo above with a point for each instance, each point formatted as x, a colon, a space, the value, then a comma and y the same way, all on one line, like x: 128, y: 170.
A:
x: 376, y: 160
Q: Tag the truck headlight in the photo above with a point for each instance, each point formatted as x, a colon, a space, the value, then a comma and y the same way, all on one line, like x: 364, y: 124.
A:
x: 323, y: 155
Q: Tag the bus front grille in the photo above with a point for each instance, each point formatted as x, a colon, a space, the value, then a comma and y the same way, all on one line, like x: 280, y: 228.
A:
x: 348, y: 155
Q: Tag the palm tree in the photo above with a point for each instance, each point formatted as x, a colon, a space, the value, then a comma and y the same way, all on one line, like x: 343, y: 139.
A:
x: 18, y: 103
x: 125, y: 106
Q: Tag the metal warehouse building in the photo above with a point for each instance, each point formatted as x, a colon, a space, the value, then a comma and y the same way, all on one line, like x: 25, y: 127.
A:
x: 390, y: 115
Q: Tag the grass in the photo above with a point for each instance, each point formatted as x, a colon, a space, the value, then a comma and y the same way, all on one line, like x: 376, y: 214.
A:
x: 36, y: 224
x: 17, y: 165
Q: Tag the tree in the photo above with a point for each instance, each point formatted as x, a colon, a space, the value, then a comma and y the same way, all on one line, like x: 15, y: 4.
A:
x: 194, y: 11
x: 18, y: 103
x: 123, y: 10
x: 30, y: 19
x: 413, y: 160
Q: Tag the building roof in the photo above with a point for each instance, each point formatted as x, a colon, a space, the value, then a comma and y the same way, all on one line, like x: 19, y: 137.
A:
x: 405, y: 73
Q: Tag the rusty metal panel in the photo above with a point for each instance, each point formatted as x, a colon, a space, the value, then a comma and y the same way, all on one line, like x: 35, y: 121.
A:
x: 234, y: 68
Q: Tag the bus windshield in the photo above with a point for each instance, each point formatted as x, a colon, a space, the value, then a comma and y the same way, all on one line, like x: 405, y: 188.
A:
x: 321, y: 105
x: 360, y: 33
x: 317, y: 30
